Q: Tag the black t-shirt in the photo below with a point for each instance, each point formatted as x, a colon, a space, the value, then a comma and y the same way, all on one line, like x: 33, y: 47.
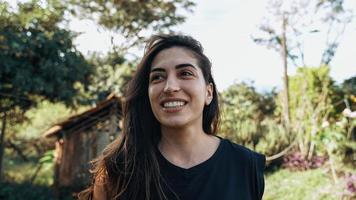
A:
x: 233, y: 172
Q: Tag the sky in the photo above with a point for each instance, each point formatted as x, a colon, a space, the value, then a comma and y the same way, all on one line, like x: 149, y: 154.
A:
x: 225, y: 30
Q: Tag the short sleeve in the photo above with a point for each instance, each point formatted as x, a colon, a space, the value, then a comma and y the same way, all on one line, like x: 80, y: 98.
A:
x: 258, y: 171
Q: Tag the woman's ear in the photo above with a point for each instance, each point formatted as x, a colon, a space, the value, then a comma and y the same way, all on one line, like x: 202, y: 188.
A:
x: 209, y: 94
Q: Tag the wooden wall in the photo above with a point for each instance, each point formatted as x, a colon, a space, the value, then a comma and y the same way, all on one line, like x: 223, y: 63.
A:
x: 74, y: 151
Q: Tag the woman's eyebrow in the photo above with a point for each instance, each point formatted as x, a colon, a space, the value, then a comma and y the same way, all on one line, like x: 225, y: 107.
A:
x: 185, y: 65
x: 179, y: 66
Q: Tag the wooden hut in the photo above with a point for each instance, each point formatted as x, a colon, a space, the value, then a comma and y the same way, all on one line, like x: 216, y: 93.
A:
x: 81, y: 138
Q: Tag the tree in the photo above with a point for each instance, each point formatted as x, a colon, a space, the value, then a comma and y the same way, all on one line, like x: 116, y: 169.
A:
x: 131, y: 19
x: 334, y: 14
x: 38, y: 59
x: 112, y: 73
x: 37, y: 56
x: 290, y: 21
x: 328, y: 18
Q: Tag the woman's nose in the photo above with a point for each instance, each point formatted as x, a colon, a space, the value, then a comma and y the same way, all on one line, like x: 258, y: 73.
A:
x: 172, y: 85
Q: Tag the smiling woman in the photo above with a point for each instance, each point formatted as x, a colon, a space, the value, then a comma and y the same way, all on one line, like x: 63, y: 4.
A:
x: 169, y: 148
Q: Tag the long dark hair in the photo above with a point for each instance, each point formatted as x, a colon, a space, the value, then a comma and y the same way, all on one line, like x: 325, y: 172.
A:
x: 129, y: 164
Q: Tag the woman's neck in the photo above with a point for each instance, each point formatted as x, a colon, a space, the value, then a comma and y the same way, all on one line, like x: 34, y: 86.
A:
x: 187, y: 148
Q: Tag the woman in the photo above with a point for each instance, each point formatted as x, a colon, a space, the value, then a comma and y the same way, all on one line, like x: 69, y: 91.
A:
x: 168, y: 148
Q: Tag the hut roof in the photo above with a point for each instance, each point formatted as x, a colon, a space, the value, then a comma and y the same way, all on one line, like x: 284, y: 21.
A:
x: 84, y: 120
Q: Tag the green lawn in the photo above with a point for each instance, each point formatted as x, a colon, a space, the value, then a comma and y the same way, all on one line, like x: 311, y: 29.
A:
x: 314, y: 184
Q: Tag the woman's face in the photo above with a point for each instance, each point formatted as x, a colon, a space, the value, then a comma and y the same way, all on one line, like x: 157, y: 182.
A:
x: 177, y: 90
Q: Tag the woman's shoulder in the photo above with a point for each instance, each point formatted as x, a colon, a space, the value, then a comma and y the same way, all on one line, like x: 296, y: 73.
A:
x: 243, y: 153
x: 251, y: 162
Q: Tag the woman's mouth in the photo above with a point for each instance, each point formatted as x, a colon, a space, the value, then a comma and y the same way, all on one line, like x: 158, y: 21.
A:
x: 173, y: 106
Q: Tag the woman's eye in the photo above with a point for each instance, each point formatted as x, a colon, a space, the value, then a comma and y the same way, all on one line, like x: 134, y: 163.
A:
x: 156, y: 77
x: 186, y: 73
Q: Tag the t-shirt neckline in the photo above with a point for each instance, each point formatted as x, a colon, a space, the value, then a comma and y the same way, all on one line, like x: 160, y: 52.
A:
x: 187, y: 171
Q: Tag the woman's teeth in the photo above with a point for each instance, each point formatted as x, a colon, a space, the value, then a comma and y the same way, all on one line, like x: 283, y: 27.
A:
x: 173, y: 104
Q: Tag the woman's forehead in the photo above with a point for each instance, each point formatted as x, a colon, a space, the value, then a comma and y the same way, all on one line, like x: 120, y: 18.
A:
x: 174, y: 56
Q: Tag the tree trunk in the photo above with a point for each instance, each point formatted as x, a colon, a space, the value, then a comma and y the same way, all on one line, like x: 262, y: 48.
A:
x: 38, y: 168
x: 2, y: 143
x: 284, y: 55
x: 16, y: 149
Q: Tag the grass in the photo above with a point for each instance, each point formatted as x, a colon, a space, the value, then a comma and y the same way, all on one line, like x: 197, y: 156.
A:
x: 316, y: 184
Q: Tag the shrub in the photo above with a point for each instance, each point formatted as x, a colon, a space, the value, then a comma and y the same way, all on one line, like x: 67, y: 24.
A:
x: 273, y: 138
x: 248, y: 119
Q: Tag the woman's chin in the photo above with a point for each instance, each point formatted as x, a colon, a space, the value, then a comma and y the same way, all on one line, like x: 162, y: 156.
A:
x: 176, y: 124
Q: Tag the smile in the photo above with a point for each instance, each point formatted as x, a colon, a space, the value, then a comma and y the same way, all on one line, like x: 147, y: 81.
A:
x: 174, y: 104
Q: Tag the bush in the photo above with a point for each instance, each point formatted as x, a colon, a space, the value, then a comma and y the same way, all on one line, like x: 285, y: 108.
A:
x: 248, y: 119
x: 273, y: 139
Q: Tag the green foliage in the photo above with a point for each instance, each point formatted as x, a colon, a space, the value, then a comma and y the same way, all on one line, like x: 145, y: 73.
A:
x: 310, y: 104
x: 39, y: 119
x: 317, y: 123
x: 19, y: 171
x: 241, y: 114
x: 349, y: 85
x: 334, y: 140
x: 274, y: 137
x: 38, y: 58
x: 309, y: 81
x: 47, y: 158
x: 247, y: 119
x: 112, y: 73
x: 44, y: 14
x: 27, y: 135
x: 310, y: 92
